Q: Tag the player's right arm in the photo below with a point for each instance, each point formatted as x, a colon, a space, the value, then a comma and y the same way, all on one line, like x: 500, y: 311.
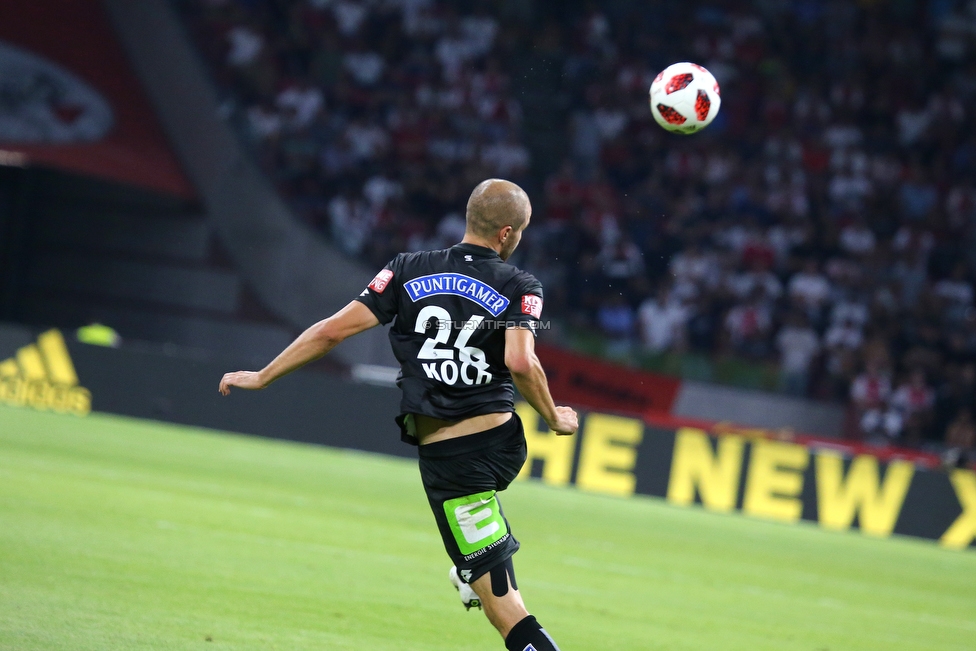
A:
x: 530, y: 380
x: 377, y: 304
x: 310, y: 345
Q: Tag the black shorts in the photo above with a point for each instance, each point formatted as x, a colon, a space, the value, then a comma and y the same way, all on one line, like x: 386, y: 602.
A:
x: 461, y: 477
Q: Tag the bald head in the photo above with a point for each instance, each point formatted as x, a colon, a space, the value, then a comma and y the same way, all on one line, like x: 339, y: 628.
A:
x: 495, y: 204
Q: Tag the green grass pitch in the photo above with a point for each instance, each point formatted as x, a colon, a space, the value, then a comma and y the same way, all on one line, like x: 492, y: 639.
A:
x: 122, y: 534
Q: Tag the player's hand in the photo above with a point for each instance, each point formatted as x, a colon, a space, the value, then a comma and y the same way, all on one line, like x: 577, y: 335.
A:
x: 250, y: 380
x: 567, y: 421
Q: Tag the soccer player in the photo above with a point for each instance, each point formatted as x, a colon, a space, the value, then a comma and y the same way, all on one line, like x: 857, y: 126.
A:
x: 463, y: 331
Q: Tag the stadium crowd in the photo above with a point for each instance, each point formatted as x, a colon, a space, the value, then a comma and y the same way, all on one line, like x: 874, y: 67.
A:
x: 826, y: 222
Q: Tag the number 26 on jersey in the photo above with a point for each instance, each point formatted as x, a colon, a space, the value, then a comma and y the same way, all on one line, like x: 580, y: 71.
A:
x: 470, y: 367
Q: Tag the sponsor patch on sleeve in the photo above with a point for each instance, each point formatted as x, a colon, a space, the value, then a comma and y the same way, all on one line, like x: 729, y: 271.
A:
x: 381, y: 280
x: 532, y: 305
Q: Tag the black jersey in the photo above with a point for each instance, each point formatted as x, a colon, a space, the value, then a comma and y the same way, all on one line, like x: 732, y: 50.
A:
x: 452, y: 308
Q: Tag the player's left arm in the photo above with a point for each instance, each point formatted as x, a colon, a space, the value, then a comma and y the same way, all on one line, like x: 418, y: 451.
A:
x: 310, y: 346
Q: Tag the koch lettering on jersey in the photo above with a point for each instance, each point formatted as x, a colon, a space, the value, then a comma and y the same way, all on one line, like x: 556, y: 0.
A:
x: 381, y: 280
x: 532, y: 305
x: 459, y: 285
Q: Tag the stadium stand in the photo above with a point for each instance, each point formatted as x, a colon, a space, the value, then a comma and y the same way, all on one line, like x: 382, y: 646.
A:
x: 149, y: 266
x: 817, y: 239
x: 98, y: 220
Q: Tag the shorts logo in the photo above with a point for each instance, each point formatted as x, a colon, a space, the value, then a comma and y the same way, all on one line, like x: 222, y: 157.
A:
x: 532, y: 305
x: 381, y: 280
x: 458, y: 285
x: 476, y: 521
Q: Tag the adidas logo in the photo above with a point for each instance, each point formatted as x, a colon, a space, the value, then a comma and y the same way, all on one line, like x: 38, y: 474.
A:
x: 42, y: 376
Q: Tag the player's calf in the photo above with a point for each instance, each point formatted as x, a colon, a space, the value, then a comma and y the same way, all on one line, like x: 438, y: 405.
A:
x: 528, y: 635
x: 504, y: 608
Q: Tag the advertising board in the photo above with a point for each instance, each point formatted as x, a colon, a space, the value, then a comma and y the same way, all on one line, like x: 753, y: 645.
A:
x: 763, y: 478
x: 781, y: 480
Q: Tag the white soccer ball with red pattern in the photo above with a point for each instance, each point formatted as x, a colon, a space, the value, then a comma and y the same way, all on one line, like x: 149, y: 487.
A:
x: 685, y: 98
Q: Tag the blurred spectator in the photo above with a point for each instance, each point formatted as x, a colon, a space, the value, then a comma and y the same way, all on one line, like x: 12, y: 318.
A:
x: 913, y: 400
x: 756, y: 281
x: 380, y: 189
x: 617, y: 322
x: 870, y: 393
x: 851, y: 309
x: 365, y: 67
x: 351, y: 221
x: 367, y: 140
x: 509, y: 159
x: 810, y: 289
x: 563, y: 193
x: 956, y: 289
x: 453, y: 50
x: 586, y: 142
x: 957, y: 392
x: 845, y: 333
x: 960, y: 440
x: 300, y: 103
x: 918, y: 195
x: 662, y: 322
x: 245, y: 46
x: 349, y: 15
x: 857, y: 238
x: 265, y: 122
x: 910, y: 237
x: 911, y: 273
x: 798, y: 346
x: 621, y: 261
x: 748, y: 326
x: 694, y: 270
x: 479, y: 30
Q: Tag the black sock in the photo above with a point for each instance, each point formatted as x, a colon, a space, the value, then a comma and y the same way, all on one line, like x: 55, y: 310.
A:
x: 527, y: 635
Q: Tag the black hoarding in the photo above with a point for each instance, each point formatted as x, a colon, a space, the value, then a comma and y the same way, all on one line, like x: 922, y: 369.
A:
x: 759, y: 477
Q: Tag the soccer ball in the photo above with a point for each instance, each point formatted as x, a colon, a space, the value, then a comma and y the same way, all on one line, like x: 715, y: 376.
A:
x: 685, y: 98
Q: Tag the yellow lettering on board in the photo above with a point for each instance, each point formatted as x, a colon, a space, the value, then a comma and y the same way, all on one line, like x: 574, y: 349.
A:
x: 694, y: 467
x: 556, y: 452
x: 59, y: 366
x: 962, y: 532
x: 31, y: 363
x: 609, y: 454
x: 862, y: 493
x: 80, y: 401
x: 775, y: 480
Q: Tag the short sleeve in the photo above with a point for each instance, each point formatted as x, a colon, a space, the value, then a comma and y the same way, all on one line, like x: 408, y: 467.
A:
x: 525, y: 304
x: 380, y: 296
